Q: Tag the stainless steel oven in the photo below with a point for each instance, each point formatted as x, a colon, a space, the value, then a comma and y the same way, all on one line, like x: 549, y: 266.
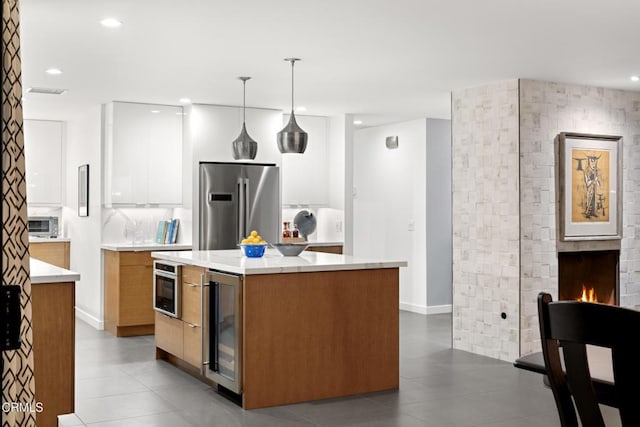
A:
x: 222, y: 330
x: 166, y: 288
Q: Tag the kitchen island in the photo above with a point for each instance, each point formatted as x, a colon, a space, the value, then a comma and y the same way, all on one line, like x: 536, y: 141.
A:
x: 314, y: 326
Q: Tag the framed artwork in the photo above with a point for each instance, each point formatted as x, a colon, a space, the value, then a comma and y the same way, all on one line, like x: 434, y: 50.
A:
x: 83, y: 190
x: 590, y: 187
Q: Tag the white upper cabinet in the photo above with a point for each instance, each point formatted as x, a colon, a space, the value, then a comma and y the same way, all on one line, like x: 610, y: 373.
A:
x: 305, y: 177
x: 143, y: 154
x: 43, y: 162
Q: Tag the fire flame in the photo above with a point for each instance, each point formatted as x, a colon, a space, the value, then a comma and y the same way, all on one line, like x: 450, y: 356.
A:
x: 588, y: 295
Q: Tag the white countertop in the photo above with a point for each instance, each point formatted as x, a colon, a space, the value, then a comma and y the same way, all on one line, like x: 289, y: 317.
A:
x: 150, y: 246
x: 33, y: 239
x: 272, y: 262
x: 42, y: 272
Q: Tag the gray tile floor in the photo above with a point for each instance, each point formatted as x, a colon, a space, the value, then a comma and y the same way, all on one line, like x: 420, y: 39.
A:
x: 119, y: 383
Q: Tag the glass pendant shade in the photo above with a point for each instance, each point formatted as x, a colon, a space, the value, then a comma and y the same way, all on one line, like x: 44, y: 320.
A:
x: 292, y: 139
x: 244, y: 147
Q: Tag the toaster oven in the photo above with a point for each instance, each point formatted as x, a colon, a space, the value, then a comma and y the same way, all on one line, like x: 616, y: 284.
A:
x: 43, y: 226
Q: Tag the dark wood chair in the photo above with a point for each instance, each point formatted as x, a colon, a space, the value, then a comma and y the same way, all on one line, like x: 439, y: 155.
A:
x: 570, y: 325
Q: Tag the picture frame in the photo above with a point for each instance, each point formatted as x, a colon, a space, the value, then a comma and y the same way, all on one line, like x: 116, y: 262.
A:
x: 590, y: 186
x: 83, y: 190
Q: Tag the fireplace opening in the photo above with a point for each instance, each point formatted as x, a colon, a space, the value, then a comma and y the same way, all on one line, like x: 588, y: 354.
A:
x: 591, y: 276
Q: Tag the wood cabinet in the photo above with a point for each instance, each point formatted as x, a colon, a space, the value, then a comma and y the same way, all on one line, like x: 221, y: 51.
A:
x: 143, y: 154
x: 128, y: 284
x: 56, y: 253
x: 182, y: 338
x: 317, y: 335
x: 336, y: 249
x: 43, y: 162
x: 192, y: 348
x: 53, y: 323
x: 169, y: 333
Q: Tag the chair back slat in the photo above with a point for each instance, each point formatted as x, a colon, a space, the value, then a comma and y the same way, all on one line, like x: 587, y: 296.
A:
x: 571, y: 325
x: 579, y: 380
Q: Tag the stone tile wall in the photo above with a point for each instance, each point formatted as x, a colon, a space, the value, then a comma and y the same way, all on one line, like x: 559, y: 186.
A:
x: 486, y: 269
x: 504, y: 203
x: 546, y: 109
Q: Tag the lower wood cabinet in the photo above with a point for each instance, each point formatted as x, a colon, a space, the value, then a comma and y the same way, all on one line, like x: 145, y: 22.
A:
x: 192, y: 348
x: 182, y: 337
x: 169, y: 334
x: 128, y: 287
x: 56, y: 253
x: 53, y: 326
x: 336, y: 249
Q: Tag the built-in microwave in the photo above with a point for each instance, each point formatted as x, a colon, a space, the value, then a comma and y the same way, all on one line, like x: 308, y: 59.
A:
x: 43, y: 226
x: 166, y: 288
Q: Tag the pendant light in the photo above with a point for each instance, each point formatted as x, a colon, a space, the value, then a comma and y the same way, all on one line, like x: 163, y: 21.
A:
x: 244, y: 147
x: 292, y: 139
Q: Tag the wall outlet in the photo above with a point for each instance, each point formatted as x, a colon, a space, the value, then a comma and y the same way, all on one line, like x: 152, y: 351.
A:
x: 412, y: 225
x: 338, y: 226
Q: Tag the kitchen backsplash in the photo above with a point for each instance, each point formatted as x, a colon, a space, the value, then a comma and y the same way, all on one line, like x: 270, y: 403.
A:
x: 139, y: 225
x: 329, y: 223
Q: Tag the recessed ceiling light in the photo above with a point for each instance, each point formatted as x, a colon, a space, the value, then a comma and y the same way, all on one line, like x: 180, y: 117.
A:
x: 53, y: 71
x: 635, y: 78
x: 110, y: 23
x: 357, y: 122
x: 301, y: 108
x: 155, y: 111
x: 184, y: 101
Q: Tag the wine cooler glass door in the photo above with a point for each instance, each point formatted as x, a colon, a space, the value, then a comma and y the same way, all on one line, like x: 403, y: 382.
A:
x: 223, y: 337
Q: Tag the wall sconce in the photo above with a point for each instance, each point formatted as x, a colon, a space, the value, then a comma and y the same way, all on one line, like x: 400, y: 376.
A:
x: 392, y: 142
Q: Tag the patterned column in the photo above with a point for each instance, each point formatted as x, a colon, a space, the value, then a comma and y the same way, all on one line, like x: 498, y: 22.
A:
x: 17, y: 377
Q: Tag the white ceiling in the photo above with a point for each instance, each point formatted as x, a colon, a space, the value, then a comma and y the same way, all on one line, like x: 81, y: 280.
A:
x: 380, y: 60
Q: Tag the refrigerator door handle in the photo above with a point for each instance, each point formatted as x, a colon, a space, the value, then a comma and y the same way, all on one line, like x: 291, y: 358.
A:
x: 247, y: 210
x: 204, y: 322
x: 241, y: 210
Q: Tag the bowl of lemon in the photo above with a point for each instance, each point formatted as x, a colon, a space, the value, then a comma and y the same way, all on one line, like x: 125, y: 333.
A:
x: 253, y: 246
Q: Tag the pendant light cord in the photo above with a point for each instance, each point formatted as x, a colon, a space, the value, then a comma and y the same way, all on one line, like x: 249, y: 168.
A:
x: 293, y: 61
x: 244, y: 94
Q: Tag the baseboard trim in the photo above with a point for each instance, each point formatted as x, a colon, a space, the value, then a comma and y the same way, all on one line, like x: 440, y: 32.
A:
x: 422, y: 309
x: 414, y: 308
x: 439, y: 309
x: 86, y: 317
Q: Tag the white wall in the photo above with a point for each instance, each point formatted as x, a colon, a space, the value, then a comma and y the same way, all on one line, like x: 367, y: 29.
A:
x: 439, y: 280
x: 389, y: 205
x: 341, y: 152
x: 83, y: 146
x: 336, y: 160
x: 305, y: 177
x: 210, y: 131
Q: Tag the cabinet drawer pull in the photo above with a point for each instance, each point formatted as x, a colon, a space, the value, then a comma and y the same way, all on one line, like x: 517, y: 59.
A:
x: 191, y: 285
x: 191, y: 326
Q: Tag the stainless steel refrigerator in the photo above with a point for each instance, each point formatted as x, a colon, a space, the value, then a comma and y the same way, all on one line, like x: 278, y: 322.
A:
x: 236, y: 198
